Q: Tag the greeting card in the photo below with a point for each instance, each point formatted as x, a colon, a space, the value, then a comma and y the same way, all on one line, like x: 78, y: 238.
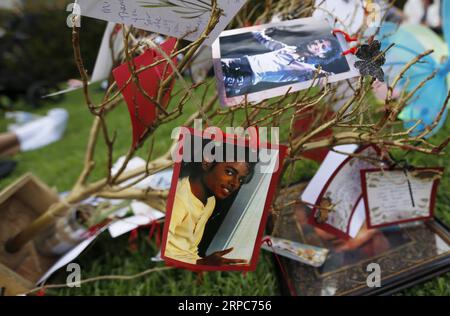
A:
x: 335, y: 193
x: 399, y: 195
x: 177, y: 18
x: 142, y: 108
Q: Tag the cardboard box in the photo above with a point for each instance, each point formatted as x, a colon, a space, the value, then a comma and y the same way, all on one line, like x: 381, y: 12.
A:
x: 20, y: 204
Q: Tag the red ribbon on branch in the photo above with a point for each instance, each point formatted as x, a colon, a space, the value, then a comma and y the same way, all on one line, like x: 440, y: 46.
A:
x: 348, y: 39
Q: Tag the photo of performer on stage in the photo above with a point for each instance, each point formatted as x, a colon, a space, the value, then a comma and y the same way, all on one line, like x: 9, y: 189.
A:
x: 257, y: 59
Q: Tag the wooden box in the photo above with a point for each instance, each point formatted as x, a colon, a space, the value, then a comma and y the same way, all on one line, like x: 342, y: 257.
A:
x: 20, y: 204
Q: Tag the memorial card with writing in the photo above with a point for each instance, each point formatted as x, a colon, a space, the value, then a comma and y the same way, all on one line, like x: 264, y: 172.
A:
x: 399, y: 196
x: 335, y: 193
x: 177, y: 18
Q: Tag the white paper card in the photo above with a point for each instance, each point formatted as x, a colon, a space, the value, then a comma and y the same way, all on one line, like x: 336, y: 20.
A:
x: 144, y: 215
x: 358, y: 219
x: 176, y: 18
x: 126, y: 225
x: 395, y: 196
x: 104, y: 62
x: 310, y: 255
x: 329, y: 165
x: 158, y: 181
x: 351, y: 15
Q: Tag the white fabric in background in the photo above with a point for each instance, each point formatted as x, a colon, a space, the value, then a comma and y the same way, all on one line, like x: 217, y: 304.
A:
x: 414, y: 11
x: 349, y: 14
x: 43, y: 131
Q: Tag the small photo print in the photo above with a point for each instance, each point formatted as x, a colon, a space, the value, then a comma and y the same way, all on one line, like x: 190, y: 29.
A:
x: 219, y: 201
x: 307, y: 254
x: 399, y: 196
x: 260, y: 62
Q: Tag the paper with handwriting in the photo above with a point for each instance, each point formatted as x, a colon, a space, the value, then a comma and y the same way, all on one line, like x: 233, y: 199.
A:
x: 394, y: 196
x: 338, y: 183
x: 177, y: 18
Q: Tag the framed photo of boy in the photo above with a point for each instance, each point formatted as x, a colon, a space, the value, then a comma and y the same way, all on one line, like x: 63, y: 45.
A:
x: 264, y: 61
x: 222, y: 188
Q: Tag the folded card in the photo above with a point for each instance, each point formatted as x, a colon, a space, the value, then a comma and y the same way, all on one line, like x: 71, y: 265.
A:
x: 399, y: 195
x: 141, y: 107
x: 177, y: 18
x: 335, y: 192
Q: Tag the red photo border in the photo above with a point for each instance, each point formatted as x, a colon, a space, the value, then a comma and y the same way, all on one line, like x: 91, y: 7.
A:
x: 366, y: 199
x: 325, y: 226
x: 229, y: 138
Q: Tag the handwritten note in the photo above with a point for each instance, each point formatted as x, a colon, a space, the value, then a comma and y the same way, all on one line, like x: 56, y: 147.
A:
x: 177, y: 18
x: 394, y: 196
x: 338, y: 182
x: 344, y: 190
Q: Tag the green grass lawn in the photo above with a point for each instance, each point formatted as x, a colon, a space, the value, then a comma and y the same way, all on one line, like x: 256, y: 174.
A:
x: 60, y: 163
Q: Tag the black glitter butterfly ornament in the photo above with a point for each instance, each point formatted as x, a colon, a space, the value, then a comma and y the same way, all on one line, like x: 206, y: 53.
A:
x: 371, y: 60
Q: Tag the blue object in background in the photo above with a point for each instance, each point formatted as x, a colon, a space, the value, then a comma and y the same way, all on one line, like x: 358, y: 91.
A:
x: 409, y: 42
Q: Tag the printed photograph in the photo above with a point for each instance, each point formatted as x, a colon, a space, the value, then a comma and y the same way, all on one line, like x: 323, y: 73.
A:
x: 260, y: 62
x: 218, y: 205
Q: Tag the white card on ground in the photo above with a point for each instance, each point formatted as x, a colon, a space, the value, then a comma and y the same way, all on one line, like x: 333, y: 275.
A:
x: 177, y: 18
x: 123, y: 226
x: 42, y: 131
x: 310, y: 255
x: 157, y: 258
x: 144, y: 215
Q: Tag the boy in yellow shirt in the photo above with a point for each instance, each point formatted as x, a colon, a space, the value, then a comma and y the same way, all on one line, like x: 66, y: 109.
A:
x: 195, y: 201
